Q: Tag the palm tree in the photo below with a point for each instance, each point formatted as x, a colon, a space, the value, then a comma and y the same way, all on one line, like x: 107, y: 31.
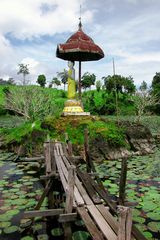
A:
x: 23, y: 69
x: 56, y: 82
x: 63, y: 76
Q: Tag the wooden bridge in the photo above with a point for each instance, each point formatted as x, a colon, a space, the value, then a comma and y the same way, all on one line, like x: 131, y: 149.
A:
x: 85, y: 198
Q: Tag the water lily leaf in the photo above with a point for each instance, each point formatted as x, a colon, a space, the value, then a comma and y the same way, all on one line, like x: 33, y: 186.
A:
x: 154, y: 216
x: 25, y: 223
x: 149, y: 206
x: 10, y: 229
x: 153, y: 226
x: 107, y: 182
x: 5, y: 218
x: 136, y: 212
x: 13, y: 212
x: 37, y: 227
x: 148, y: 235
x: 42, y: 237
x: 31, y: 172
x: 138, y: 219
x: 5, y: 224
x: 80, y: 235
x: 57, y: 232
x: 27, y: 238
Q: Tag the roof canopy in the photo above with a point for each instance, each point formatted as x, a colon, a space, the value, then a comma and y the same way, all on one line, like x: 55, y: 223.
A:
x: 79, y: 47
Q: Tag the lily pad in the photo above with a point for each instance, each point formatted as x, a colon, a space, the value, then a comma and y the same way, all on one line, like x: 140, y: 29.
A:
x: 42, y: 237
x: 154, y: 215
x: 80, y: 235
x: 153, y: 226
x: 25, y: 223
x: 138, y: 219
x: 37, y: 227
x: 147, y: 235
x: 11, y: 229
x: 13, y: 212
x: 57, y: 232
x: 27, y: 238
x: 5, y: 224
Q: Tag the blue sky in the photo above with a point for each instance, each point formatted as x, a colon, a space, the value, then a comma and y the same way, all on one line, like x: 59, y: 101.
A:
x: 126, y: 30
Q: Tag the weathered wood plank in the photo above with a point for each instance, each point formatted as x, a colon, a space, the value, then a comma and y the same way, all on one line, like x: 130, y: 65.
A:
x: 79, y: 186
x: 40, y: 158
x: 122, y: 182
x: 47, y: 156
x: 43, y: 213
x: 85, y: 178
x: 137, y: 234
x: 129, y: 224
x: 77, y: 195
x: 56, y: 148
x: 45, y: 192
x: 102, y: 224
x: 90, y: 225
x: 108, y: 217
x: 70, y: 189
x: 69, y: 217
x: 53, y: 162
x: 102, y: 193
x: 60, y: 149
x: 125, y: 223
x: 63, y: 179
x: 51, y: 175
x: 70, y: 150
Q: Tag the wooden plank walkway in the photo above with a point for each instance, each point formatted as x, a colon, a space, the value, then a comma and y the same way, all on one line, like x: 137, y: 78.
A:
x: 85, y: 197
x: 90, y: 203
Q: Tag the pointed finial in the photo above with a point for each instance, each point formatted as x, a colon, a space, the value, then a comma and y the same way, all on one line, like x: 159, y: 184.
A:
x: 80, y: 24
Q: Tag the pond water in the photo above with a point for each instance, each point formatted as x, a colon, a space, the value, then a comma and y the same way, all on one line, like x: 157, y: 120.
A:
x: 142, y: 189
x: 19, y: 192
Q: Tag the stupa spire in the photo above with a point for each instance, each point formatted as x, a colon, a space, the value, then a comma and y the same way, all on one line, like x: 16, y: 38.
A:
x: 80, y: 23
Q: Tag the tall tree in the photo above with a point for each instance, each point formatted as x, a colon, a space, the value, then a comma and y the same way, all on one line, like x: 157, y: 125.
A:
x: 88, y: 80
x: 41, y: 80
x: 23, y: 69
x: 98, y: 85
x: 64, y: 77
x: 56, y: 82
x: 119, y: 84
x: 156, y: 83
x: 143, y: 86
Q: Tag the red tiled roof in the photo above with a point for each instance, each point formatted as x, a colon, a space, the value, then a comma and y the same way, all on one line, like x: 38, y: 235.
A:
x: 79, y: 47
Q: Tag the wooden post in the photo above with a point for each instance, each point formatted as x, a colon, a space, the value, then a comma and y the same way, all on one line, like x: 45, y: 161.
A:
x: 66, y: 137
x: 122, y: 184
x: 125, y: 223
x: 47, y: 156
x: 53, y: 162
x: 69, y: 200
x: 90, y: 166
x: 70, y: 150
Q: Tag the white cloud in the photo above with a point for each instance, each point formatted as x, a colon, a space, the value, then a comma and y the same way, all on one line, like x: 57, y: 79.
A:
x: 127, y: 31
x: 25, y: 19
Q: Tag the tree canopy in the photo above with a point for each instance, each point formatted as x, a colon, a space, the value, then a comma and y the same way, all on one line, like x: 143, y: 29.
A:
x: 88, y: 80
x: 156, y: 83
x: 64, y: 77
x: 119, y: 83
x: 41, y: 80
x: 23, y: 69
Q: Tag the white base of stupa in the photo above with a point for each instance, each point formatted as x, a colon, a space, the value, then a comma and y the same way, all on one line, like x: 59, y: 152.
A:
x: 76, y: 114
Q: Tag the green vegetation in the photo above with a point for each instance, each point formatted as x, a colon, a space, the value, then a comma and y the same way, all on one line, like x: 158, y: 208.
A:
x: 75, y: 126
